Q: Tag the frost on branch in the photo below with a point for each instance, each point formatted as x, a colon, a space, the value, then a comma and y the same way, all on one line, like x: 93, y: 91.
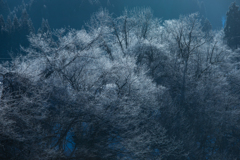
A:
x: 129, y: 87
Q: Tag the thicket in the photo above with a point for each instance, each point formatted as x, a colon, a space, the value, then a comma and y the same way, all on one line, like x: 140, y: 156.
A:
x: 131, y: 87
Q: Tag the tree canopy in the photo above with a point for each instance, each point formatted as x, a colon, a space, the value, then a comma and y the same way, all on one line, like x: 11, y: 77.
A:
x: 130, y: 87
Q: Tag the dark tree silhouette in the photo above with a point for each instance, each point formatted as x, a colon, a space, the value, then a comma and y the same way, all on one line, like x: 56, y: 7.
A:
x: 231, y: 29
x: 4, y: 9
x: 207, y: 27
x: 14, y: 34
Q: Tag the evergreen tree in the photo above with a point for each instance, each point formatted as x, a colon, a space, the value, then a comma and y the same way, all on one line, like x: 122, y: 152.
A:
x: 8, y: 24
x: 207, y: 27
x: 232, y: 32
x: 13, y: 33
x: 26, y: 23
x: 26, y: 27
x: 16, y: 23
x: 4, y: 9
x: 2, y: 23
x: 45, y: 28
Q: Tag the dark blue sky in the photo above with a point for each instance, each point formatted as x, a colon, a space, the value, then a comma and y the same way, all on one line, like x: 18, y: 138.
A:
x: 75, y: 13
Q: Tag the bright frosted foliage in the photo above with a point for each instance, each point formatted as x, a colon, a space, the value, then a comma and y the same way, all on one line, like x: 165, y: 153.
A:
x: 130, y: 87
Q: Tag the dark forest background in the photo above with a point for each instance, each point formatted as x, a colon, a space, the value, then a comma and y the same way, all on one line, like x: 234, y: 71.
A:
x: 20, y: 18
x: 76, y: 12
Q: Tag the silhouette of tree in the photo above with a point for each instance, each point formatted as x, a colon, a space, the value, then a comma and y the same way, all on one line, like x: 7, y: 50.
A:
x: 4, y: 9
x: 2, y: 23
x: 231, y: 29
x: 207, y: 27
x: 13, y: 34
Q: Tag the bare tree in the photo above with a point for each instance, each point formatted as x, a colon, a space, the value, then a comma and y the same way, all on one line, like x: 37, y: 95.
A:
x: 125, y: 88
x: 96, y: 107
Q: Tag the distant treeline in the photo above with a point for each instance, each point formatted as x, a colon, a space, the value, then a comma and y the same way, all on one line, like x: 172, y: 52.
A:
x: 19, y: 21
x: 14, y: 31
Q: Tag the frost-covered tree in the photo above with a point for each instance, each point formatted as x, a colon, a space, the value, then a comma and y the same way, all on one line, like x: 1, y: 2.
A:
x: 129, y: 87
x: 89, y: 105
x: 198, y: 68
